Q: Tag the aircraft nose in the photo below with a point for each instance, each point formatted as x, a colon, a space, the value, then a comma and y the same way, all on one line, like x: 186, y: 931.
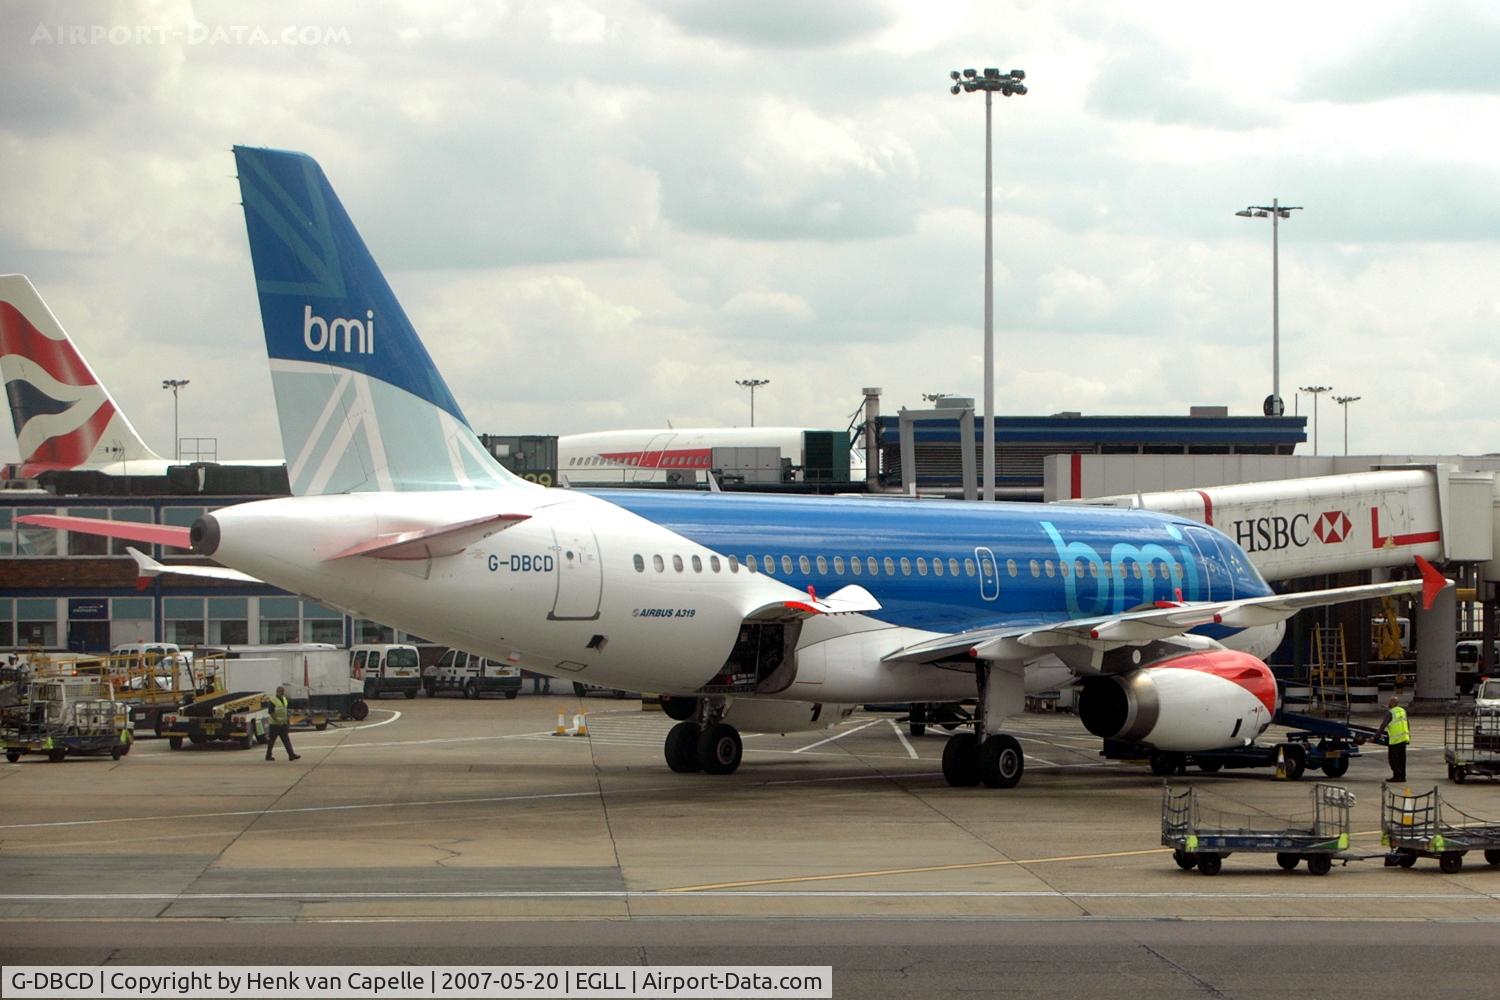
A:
x: 204, y: 534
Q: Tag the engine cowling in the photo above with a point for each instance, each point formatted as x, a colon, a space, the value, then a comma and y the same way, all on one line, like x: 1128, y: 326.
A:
x: 1202, y: 700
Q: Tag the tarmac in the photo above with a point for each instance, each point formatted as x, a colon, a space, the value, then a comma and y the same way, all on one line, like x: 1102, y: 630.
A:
x: 450, y: 831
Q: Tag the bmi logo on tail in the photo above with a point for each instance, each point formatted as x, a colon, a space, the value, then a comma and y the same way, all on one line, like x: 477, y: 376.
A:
x: 321, y: 334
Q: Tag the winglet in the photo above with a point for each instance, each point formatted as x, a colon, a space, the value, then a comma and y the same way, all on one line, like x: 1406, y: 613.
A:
x: 1432, y: 582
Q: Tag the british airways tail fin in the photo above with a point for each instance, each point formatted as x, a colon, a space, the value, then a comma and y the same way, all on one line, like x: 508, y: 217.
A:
x: 63, y: 416
x: 361, y: 405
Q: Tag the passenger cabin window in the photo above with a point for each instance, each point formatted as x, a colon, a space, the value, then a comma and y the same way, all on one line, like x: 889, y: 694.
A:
x: 697, y: 565
x: 804, y: 564
x: 786, y: 565
x: 856, y: 566
x: 822, y: 565
x: 968, y: 567
x: 657, y: 564
x: 952, y: 567
x: 768, y: 564
x: 713, y: 563
x: 640, y: 564
x: 734, y: 564
x: 905, y: 566
x: 677, y: 563
x: 872, y: 565
x: 937, y: 566
x: 1010, y: 567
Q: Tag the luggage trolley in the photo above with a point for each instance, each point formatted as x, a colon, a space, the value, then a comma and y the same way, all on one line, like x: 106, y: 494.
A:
x: 1202, y: 839
x: 1416, y: 826
x: 1471, y: 744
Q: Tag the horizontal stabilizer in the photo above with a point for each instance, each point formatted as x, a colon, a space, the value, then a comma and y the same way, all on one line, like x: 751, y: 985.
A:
x: 150, y: 567
x: 852, y: 599
x: 444, y: 540
x: 151, y: 534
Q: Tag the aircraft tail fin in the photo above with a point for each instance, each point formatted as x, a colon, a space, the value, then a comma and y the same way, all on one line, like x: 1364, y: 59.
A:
x: 361, y: 405
x: 63, y: 416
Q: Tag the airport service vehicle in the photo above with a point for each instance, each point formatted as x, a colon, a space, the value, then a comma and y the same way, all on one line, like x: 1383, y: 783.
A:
x: 238, y: 718
x: 1202, y: 838
x: 66, y: 716
x: 386, y: 667
x: 767, y: 613
x: 1467, y: 656
x: 472, y: 676
x: 1312, y: 742
x: 1416, y: 826
x: 1487, y: 697
x: 316, y: 675
x: 1471, y: 743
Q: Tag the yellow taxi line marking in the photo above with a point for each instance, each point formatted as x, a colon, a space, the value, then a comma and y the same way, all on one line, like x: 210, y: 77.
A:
x: 878, y: 873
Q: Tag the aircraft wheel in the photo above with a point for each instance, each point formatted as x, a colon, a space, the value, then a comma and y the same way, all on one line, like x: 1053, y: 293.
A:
x: 961, y: 760
x: 1187, y: 862
x: 1001, y: 761
x: 681, y: 748
x: 1295, y: 758
x: 720, y: 748
x: 1287, y: 861
x: 1164, y: 763
x: 1209, y: 864
x: 1319, y: 864
x: 1450, y: 862
x: 1336, y: 767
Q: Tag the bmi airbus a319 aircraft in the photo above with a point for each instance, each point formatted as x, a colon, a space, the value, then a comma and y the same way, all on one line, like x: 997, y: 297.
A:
x: 747, y: 612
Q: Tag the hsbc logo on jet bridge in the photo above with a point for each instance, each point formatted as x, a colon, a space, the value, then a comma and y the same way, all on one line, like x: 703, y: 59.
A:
x: 1270, y: 534
x: 347, y: 336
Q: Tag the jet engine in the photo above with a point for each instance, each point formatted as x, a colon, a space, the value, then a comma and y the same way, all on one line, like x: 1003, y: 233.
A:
x: 1201, y: 700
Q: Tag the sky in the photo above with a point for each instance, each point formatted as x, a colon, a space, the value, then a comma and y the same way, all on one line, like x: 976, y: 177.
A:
x: 600, y: 215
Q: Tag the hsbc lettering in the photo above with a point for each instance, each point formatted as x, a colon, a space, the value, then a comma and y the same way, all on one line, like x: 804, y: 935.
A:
x: 1265, y: 534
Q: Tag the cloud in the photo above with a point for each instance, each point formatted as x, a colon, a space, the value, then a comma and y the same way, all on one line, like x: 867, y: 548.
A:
x: 1444, y: 49
x: 779, y: 23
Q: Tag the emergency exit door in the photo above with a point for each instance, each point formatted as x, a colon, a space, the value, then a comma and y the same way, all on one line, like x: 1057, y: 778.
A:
x: 580, y: 577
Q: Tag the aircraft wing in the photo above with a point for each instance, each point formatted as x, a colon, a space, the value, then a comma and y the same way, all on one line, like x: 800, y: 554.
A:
x: 1137, y: 628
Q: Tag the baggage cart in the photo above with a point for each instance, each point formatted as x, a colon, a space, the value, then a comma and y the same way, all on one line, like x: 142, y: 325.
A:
x: 1471, y: 744
x: 1416, y: 826
x: 66, y: 716
x: 1202, y: 838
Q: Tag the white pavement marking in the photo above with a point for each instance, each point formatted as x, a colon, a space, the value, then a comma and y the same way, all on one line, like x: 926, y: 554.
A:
x: 902, y: 737
x: 307, y: 894
x: 837, y: 736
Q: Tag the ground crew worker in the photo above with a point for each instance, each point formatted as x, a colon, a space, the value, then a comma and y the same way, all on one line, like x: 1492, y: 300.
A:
x: 1397, y: 735
x: 281, y: 724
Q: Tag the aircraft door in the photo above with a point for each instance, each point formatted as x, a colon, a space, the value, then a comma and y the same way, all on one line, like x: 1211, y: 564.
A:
x: 989, y: 573
x: 651, y: 456
x: 580, y: 577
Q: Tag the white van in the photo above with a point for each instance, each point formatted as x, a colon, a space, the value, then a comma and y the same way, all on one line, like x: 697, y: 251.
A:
x: 1467, y: 655
x: 385, y: 666
x: 472, y: 676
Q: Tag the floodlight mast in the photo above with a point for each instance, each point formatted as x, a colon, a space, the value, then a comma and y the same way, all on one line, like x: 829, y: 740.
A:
x: 1274, y: 407
x: 990, y: 81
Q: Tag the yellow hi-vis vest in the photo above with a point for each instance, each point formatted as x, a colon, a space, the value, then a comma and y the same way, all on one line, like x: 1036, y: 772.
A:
x: 1398, y: 731
x: 279, y: 714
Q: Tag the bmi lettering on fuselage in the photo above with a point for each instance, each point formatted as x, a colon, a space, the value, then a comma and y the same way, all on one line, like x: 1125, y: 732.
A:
x: 321, y: 334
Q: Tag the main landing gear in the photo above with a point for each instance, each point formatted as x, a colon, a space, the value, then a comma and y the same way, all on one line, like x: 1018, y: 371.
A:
x: 704, y: 743
x: 991, y: 758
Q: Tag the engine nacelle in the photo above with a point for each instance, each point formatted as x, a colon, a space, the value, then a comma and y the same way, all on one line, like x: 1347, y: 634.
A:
x: 1204, y: 700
